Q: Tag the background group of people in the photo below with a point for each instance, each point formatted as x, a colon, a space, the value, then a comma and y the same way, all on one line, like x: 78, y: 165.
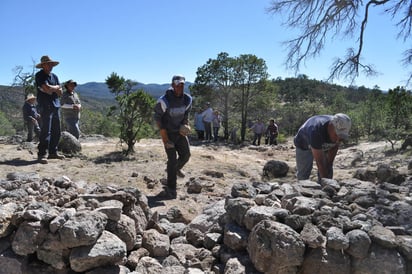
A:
x: 44, y: 117
x: 270, y: 131
x: 207, y: 123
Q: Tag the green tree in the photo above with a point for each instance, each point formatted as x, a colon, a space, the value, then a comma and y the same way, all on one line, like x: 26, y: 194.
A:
x: 134, y: 111
x: 250, y: 78
x: 215, y: 83
x: 399, y: 103
x: 372, y: 112
x: 317, y: 19
x: 94, y: 122
x: 6, y: 127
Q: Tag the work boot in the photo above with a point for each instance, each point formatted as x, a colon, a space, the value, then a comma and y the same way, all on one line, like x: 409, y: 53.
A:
x: 180, y: 173
x: 168, y: 193
x: 56, y: 156
x: 42, y: 159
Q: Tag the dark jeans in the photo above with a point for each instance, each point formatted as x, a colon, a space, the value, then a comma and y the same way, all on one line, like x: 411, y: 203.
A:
x: 215, y: 133
x: 304, y: 164
x: 200, y: 134
x: 208, y: 131
x: 50, y: 131
x: 257, y: 138
x: 175, y: 163
x: 32, y: 126
x: 271, y: 140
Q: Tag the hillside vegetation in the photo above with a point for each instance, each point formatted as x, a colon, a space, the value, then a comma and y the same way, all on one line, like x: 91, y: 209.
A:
x: 376, y: 115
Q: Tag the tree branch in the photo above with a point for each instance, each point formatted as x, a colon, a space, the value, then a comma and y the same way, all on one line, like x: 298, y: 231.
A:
x: 320, y: 20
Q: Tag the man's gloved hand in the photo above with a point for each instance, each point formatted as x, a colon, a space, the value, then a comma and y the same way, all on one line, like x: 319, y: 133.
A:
x: 185, y: 130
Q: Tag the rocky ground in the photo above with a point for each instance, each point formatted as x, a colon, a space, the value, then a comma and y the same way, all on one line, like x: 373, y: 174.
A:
x: 217, y: 165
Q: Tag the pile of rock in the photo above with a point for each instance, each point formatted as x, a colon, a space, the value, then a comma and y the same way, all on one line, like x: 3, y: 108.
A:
x: 353, y: 226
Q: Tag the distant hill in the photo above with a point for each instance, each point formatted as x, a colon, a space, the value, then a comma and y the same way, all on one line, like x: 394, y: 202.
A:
x: 101, y: 91
x: 12, y: 99
x: 94, y: 96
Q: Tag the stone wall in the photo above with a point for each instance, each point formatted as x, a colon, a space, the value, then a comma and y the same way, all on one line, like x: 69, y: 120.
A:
x: 353, y: 226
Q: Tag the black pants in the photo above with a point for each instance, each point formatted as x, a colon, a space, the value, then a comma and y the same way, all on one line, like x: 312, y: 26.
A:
x: 32, y: 126
x: 271, y: 140
x: 257, y: 138
x: 177, y: 157
x: 208, y: 131
x: 200, y: 134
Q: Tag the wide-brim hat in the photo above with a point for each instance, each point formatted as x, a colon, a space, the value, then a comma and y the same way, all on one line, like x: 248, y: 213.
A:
x: 46, y: 59
x: 30, y: 96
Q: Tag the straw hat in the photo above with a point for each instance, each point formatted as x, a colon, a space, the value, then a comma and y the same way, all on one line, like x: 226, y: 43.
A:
x: 30, y: 96
x: 46, y: 59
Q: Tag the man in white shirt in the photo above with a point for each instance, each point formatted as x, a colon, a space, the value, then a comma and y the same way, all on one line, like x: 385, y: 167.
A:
x: 207, y: 115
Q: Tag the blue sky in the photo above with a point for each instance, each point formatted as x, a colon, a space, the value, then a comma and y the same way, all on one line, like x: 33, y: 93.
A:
x: 150, y: 40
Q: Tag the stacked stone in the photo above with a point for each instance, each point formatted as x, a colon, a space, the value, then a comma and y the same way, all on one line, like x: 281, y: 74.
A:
x: 352, y: 226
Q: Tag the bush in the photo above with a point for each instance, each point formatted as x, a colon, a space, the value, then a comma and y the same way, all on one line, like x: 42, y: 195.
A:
x: 6, y: 127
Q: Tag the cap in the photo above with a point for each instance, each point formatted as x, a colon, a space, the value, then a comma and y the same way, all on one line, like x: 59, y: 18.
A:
x: 342, y: 124
x: 69, y: 82
x: 178, y: 79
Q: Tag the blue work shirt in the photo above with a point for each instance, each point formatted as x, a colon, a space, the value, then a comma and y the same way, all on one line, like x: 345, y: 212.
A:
x: 314, y: 134
x: 45, y: 100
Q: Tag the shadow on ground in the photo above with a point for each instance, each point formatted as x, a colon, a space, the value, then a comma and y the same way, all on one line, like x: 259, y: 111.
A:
x: 18, y: 162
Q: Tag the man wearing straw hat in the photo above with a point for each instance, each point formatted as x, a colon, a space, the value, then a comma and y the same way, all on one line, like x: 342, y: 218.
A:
x: 48, y: 93
x: 31, y: 117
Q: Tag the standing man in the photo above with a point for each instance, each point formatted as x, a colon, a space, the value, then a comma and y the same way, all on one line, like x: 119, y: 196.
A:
x: 48, y: 93
x: 71, y: 108
x: 207, y: 116
x: 217, y: 119
x: 199, y: 126
x: 258, y: 129
x: 318, y: 138
x: 272, y: 132
x: 31, y: 117
x: 172, y: 117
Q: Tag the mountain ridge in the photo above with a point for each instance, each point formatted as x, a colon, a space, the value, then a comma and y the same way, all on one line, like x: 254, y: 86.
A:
x: 100, y: 90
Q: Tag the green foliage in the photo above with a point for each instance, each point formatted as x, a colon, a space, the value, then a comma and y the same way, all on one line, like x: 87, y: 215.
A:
x: 281, y: 139
x: 93, y: 122
x: 231, y: 84
x: 399, y: 103
x: 371, y: 114
x: 215, y: 83
x: 6, y: 127
x: 222, y: 81
x: 317, y: 21
x: 250, y: 78
x: 375, y: 114
x: 133, y: 112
